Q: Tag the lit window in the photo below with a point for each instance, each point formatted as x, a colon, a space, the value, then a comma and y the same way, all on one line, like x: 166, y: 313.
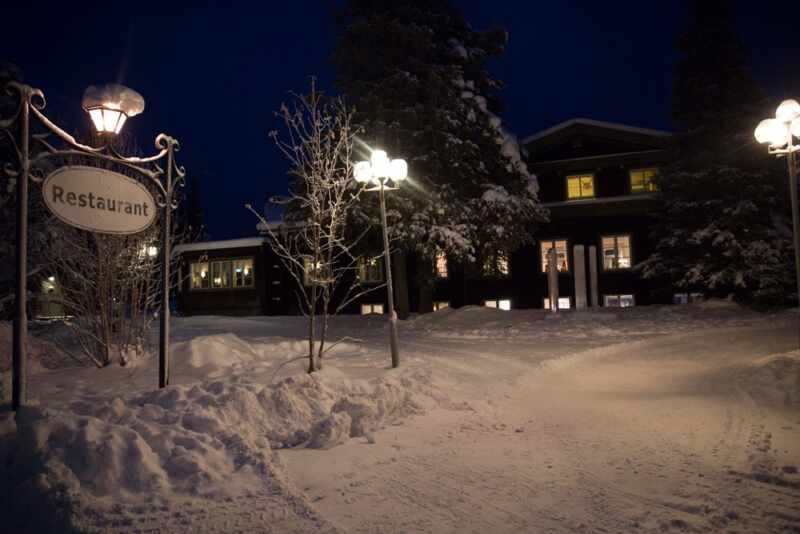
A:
x: 642, y: 180
x: 503, y: 304
x: 243, y: 273
x: 440, y: 305
x: 313, y: 274
x: 496, y: 264
x: 220, y: 274
x: 580, y: 186
x: 616, y: 252
x: 564, y: 303
x: 686, y: 298
x: 200, y: 276
x: 441, y: 264
x: 370, y: 270
x: 561, y: 254
x: 370, y: 309
x: 619, y: 301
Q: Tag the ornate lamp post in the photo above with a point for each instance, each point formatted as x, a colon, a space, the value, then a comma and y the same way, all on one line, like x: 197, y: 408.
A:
x: 109, y: 107
x: 378, y: 172
x: 779, y: 134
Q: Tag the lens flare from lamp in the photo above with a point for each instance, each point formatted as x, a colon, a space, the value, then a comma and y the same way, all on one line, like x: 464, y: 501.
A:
x: 788, y: 110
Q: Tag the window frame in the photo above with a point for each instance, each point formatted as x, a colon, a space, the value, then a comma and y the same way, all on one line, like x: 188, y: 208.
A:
x: 601, y: 250
x: 371, y: 306
x: 647, y: 184
x: 579, y: 176
x: 498, y: 304
x: 542, y: 269
x: 491, y: 265
x: 619, y: 297
x: 437, y: 273
x: 252, y: 283
x: 210, y: 261
x: 546, y: 303
x: 361, y: 267
x: 307, y: 281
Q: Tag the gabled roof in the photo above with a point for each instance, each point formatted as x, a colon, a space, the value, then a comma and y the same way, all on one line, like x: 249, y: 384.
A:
x: 600, y: 124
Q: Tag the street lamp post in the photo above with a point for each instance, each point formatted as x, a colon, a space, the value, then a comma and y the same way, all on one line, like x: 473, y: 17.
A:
x: 109, y: 107
x: 779, y: 134
x: 378, y: 172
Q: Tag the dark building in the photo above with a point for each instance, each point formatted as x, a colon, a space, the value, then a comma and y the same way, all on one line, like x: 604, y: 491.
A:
x: 594, y: 177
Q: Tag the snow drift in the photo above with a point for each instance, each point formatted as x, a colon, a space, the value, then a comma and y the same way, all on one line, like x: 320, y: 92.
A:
x: 213, y: 439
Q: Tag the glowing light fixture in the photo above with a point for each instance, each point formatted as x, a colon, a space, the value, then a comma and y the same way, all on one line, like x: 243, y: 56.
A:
x: 109, y: 106
x: 51, y: 279
x: 380, y: 172
x: 788, y: 110
x: 780, y: 133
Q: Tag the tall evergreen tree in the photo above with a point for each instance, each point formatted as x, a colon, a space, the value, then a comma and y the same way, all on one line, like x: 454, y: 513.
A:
x: 724, y: 226
x: 416, y: 73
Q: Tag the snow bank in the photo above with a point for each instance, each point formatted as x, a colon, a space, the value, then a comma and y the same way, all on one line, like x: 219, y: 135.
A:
x: 210, y: 440
x: 41, y: 354
x: 774, y: 380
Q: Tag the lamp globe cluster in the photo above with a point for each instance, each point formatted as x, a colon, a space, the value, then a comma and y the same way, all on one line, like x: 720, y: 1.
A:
x: 380, y: 169
x: 778, y: 131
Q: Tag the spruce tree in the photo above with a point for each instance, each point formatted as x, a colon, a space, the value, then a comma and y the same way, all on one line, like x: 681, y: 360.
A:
x: 723, y: 225
x: 417, y: 75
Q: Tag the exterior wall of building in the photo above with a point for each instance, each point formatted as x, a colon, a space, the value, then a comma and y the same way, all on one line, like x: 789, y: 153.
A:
x: 223, y: 301
x: 608, y: 152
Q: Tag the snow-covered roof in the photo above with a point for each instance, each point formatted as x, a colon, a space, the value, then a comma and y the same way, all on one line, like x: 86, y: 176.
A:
x: 277, y: 225
x: 219, y: 245
x: 601, y: 200
x: 592, y: 122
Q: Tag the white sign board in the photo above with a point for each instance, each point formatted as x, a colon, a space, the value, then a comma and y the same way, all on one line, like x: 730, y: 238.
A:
x: 99, y: 200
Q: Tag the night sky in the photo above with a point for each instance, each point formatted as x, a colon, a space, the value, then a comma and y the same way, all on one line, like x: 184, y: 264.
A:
x: 212, y: 77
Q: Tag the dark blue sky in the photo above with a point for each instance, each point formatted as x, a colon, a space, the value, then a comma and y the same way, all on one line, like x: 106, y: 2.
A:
x: 212, y: 77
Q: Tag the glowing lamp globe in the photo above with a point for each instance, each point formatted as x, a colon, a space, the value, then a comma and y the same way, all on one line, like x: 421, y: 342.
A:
x: 772, y: 131
x: 380, y: 164
x: 362, y: 172
x: 795, y: 127
x: 110, y: 105
x: 788, y: 110
x: 398, y: 170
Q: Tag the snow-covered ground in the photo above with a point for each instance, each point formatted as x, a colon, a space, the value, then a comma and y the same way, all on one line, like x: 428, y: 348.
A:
x: 649, y: 419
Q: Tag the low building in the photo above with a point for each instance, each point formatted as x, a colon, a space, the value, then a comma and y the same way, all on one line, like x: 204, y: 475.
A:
x: 596, y: 179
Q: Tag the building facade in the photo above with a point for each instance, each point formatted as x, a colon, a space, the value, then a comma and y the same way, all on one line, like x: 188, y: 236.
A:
x: 596, y: 180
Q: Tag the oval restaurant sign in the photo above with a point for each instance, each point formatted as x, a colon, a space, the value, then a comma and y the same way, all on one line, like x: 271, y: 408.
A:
x: 99, y: 200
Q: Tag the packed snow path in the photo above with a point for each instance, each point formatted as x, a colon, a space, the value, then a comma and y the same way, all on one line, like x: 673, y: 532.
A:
x: 650, y: 436
x: 643, y: 420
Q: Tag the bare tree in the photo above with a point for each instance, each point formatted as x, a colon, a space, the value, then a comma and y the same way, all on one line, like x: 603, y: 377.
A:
x: 109, y: 284
x: 313, y: 242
